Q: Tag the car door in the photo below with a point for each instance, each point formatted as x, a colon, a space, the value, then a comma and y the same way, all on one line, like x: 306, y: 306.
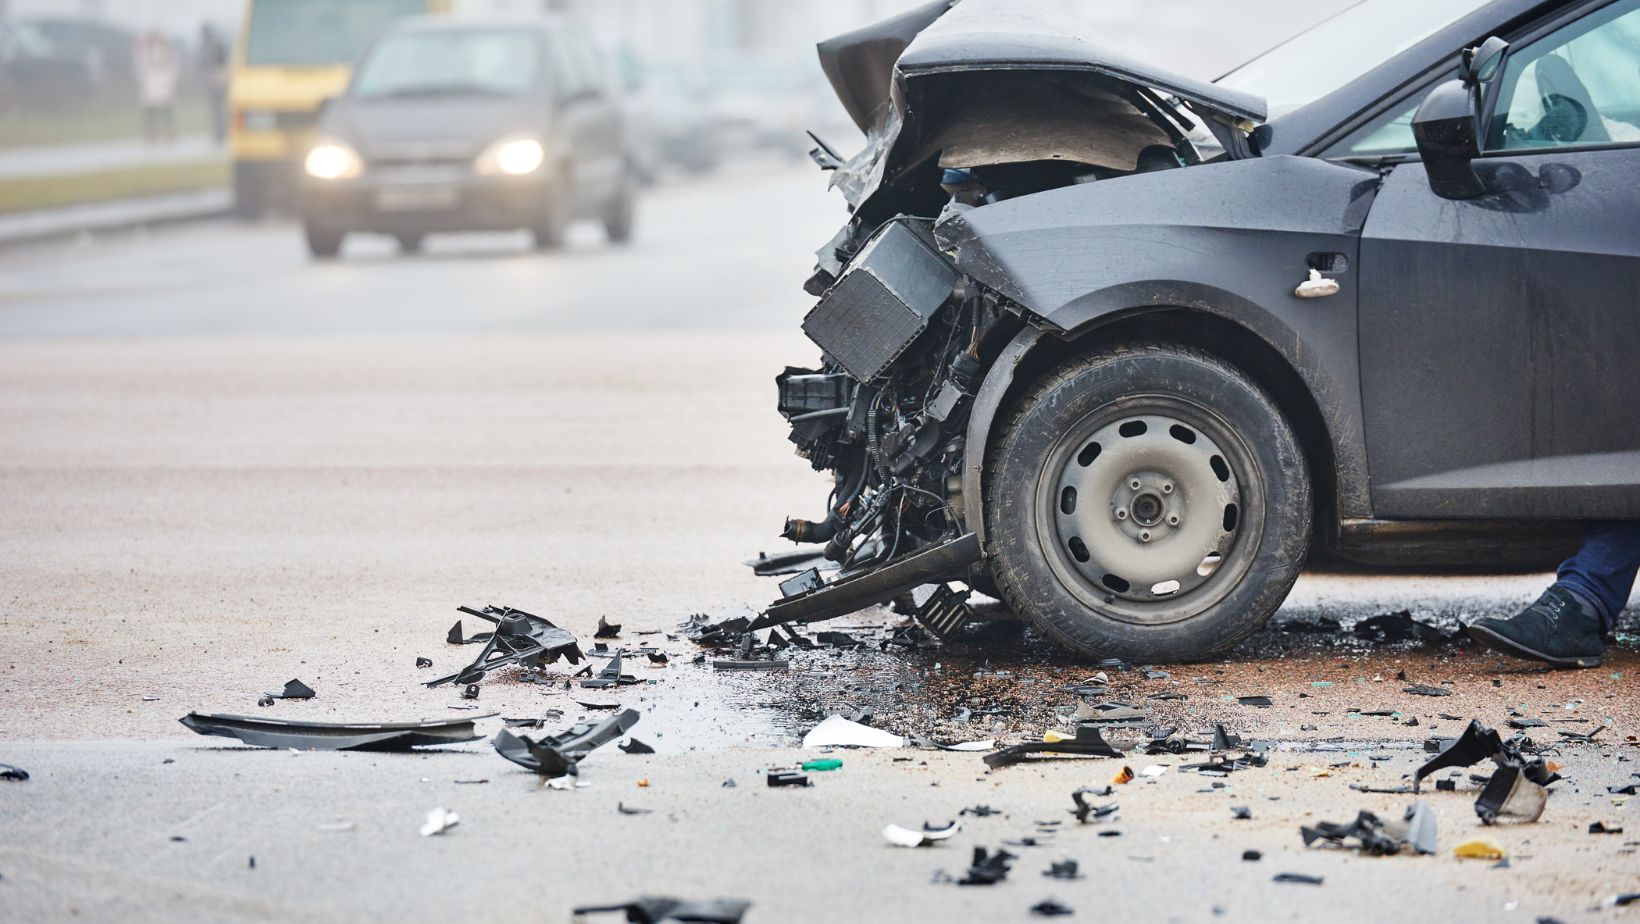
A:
x: 1500, y: 335
x: 587, y: 110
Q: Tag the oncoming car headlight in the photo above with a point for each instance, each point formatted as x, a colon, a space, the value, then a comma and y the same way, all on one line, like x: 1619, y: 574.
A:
x: 514, y: 156
x: 333, y: 160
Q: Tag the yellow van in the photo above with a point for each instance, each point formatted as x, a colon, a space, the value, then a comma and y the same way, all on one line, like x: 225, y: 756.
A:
x: 292, y: 56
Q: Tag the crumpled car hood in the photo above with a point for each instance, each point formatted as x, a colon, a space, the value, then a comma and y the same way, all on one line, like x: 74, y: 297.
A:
x: 888, y: 76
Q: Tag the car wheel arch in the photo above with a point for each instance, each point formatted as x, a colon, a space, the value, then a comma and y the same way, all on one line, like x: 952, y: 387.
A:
x: 1037, y: 350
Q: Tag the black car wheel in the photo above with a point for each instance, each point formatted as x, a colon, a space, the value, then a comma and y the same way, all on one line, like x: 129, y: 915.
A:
x: 322, y: 242
x: 1149, y: 503
x: 620, y: 217
x: 552, y: 226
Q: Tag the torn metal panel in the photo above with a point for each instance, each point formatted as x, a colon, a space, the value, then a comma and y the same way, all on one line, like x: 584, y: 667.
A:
x: 519, y: 638
x: 332, y: 736
x: 557, y: 755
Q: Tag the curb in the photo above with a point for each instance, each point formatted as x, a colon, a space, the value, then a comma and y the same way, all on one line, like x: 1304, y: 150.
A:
x: 37, y: 227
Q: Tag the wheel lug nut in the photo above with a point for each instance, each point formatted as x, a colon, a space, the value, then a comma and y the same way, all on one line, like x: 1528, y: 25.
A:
x: 1173, y: 520
x: 1144, y: 537
x: 1121, y: 513
x: 1167, y: 489
x: 1135, y: 484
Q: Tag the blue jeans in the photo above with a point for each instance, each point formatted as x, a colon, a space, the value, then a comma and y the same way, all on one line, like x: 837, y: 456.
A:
x: 1603, y: 571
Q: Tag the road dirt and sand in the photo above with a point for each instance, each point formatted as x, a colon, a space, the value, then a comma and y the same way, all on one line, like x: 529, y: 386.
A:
x: 222, y: 468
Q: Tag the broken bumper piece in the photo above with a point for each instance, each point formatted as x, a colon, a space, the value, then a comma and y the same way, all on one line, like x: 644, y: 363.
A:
x: 942, y: 562
x: 1088, y: 743
x: 557, y: 755
x: 519, y: 638
x: 330, y: 736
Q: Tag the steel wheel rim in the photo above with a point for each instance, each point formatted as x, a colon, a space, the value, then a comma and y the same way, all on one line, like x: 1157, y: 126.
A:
x: 1185, y: 536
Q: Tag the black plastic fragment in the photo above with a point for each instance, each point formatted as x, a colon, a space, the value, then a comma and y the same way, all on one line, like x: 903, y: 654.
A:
x: 424, y: 662
x: 788, y: 778
x: 1241, y: 812
x: 1252, y: 856
x: 664, y: 910
x: 557, y: 755
x: 294, y: 689
x: 1262, y: 702
x: 1367, y: 830
x: 980, y: 811
x: 1401, y: 627
x: 1088, y: 742
x: 471, y: 692
x: 1600, y: 827
x: 13, y: 774
x: 1049, y: 908
x: 1424, y: 689
x: 1086, y: 811
x: 1298, y: 878
x: 1063, y: 869
x: 605, y: 630
x: 625, y: 809
x: 610, y: 676
x: 331, y: 736
x: 519, y: 638
x: 634, y: 746
x: 987, y: 868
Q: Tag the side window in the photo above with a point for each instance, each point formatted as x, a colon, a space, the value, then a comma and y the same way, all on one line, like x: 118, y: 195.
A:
x: 566, y: 73
x: 1579, y: 85
x: 586, y: 61
x: 1389, y: 134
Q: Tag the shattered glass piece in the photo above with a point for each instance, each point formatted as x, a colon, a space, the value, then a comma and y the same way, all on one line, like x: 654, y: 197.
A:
x: 331, y: 736
x: 837, y: 731
x: 1087, y: 742
x: 439, y: 821
x: 1401, y: 627
x: 605, y: 630
x: 519, y: 638
x: 651, y: 910
x: 927, y: 837
x: 557, y: 755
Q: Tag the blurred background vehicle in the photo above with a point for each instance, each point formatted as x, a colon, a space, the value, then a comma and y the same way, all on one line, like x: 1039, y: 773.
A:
x: 458, y: 124
x: 293, y: 56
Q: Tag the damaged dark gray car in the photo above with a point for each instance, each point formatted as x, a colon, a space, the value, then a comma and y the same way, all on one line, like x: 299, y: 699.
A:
x: 1124, y: 348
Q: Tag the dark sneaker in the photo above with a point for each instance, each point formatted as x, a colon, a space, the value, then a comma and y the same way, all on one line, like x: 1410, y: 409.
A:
x: 1559, y: 629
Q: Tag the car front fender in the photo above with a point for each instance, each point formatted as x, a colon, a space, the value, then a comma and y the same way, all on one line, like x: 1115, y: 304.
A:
x: 1233, y: 240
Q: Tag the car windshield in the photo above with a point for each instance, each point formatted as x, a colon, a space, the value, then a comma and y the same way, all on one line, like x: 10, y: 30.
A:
x: 492, y: 62
x: 318, y: 33
x: 1318, y: 61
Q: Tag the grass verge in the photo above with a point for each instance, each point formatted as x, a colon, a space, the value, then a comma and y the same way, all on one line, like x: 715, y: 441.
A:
x: 18, y: 195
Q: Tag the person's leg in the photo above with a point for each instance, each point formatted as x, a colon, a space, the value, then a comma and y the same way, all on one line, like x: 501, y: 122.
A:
x: 1567, y: 625
x: 1603, y: 571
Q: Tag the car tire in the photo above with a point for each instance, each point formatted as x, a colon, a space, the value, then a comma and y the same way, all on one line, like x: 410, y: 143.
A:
x: 1160, y: 455
x: 322, y: 242
x: 250, y: 193
x: 411, y: 243
x: 552, y: 227
x: 621, y: 215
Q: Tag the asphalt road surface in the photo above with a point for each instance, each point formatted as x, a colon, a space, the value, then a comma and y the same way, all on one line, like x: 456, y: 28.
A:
x: 223, y: 466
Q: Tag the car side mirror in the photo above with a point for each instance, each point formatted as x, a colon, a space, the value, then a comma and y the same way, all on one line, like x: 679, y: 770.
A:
x: 1447, y: 125
x: 1445, y: 128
